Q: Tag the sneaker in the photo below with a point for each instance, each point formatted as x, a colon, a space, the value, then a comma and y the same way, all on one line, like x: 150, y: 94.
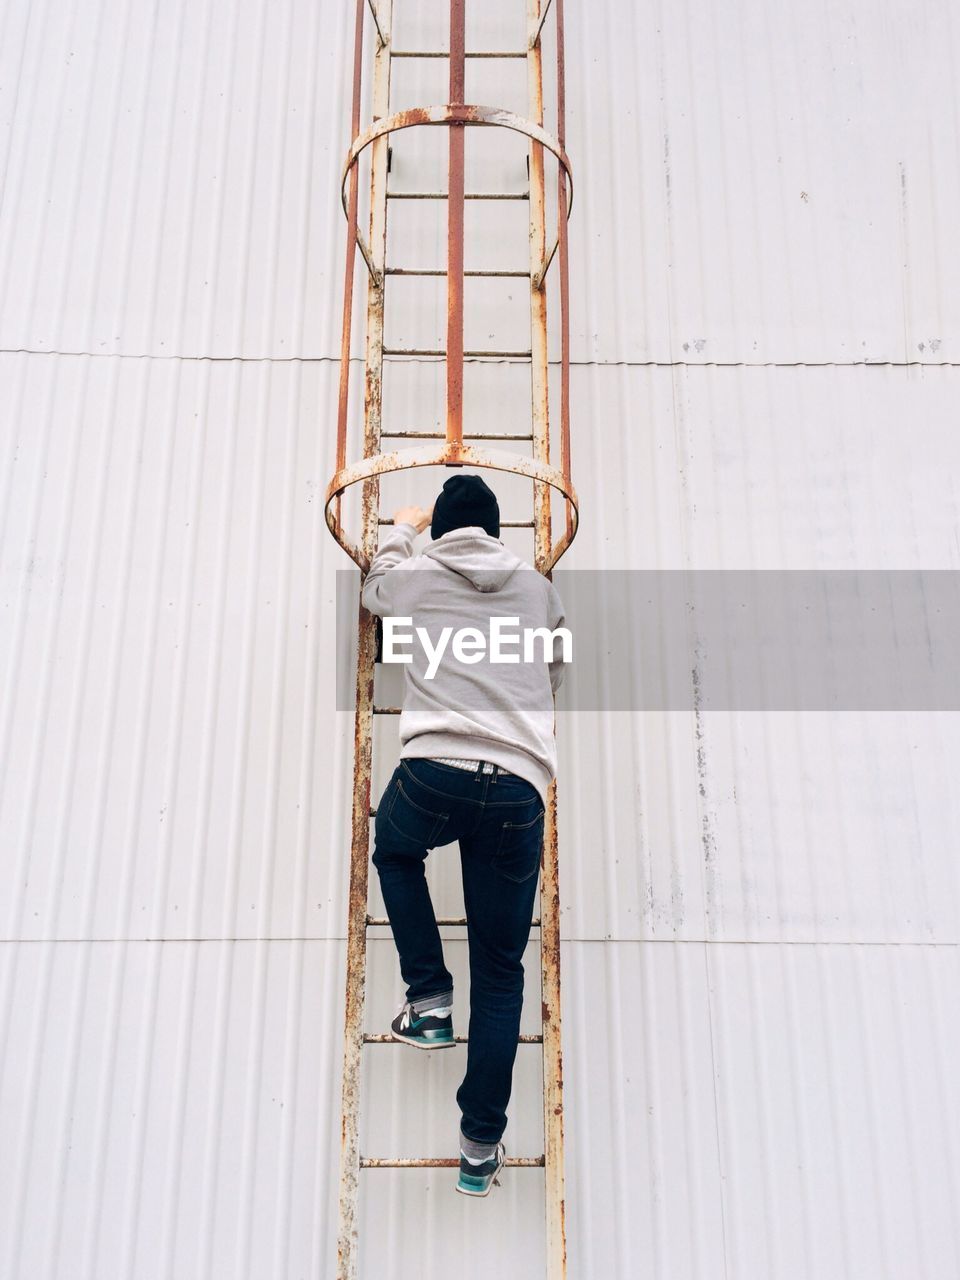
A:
x: 432, y: 1029
x: 477, y: 1179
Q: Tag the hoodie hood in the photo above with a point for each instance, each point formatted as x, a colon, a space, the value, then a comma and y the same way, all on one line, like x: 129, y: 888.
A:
x: 472, y: 553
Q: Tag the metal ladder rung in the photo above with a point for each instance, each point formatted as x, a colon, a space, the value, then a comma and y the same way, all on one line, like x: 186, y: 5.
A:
x: 504, y: 524
x: 461, y: 920
x: 429, y: 1162
x: 386, y: 1039
x: 445, y: 53
x: 467, y: 435
x: 383, y: 921
x: 467, y: 195
x: 438, y: 271
x: 477, y: 355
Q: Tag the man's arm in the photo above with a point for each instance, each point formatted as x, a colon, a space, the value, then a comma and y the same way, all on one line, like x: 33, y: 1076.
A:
x: 380, y: 585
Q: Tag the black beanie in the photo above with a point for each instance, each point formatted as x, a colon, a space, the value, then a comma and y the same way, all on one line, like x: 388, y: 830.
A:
x: 465, y: 500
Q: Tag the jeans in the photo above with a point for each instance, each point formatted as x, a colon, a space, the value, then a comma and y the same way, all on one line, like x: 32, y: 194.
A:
x: 498, y: 820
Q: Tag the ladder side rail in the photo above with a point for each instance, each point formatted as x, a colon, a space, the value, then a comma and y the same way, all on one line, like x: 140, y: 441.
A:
x: 554, y: 1182
x: 554, y: 1186
x: 348, y: 1235
x: 350, y: 264
x: 539, y: 393
x: 563, y: 250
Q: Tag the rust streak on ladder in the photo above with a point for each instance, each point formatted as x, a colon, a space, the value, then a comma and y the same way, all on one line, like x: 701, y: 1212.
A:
x: 455, y: 188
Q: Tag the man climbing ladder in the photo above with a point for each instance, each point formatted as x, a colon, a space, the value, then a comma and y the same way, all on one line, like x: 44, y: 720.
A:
x: 477, y: 757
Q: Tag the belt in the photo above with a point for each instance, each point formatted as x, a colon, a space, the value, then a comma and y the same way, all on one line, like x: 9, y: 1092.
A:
x: 471, y: 764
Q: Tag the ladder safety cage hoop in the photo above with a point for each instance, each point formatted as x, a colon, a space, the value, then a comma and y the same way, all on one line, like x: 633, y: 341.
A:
x: 453, y: 451
x: 447, y: 114
x: 428, y: 456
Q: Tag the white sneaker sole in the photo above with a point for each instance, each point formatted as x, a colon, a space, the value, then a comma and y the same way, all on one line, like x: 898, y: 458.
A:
x: 423, y: 1044
x: 465, y: 1191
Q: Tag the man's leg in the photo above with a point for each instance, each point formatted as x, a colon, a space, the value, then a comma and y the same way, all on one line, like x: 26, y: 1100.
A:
x: 500, y: 863
x: 402, y: 832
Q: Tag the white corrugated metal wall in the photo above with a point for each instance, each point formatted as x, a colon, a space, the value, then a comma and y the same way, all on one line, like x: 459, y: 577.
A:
x: 760, y: 910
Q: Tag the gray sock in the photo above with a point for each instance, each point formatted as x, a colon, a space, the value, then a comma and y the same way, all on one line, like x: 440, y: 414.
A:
x: 477, y: 1152
x: 443, y: 1001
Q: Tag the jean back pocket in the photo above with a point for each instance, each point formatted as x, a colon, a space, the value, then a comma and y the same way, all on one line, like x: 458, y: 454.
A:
x: 518, y: 849
x: 412, y: 821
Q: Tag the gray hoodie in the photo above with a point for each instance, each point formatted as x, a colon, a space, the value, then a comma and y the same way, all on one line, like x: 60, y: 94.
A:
x: 475, y: 710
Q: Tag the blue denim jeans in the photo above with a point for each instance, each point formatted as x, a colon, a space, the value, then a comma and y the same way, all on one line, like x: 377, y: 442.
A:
x: 498, y: 820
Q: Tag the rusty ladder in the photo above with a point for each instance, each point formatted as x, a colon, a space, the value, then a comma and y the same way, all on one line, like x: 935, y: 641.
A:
x: 449, y: 448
